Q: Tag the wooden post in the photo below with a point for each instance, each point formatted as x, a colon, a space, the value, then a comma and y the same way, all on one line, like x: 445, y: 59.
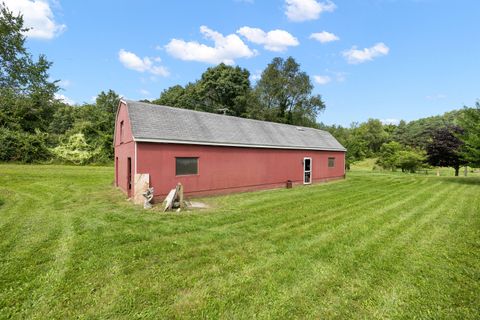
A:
x: 465, y: 171
x: 180, y: 194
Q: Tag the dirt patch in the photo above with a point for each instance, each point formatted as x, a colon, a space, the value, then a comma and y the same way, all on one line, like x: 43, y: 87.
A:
x: 197, y: 205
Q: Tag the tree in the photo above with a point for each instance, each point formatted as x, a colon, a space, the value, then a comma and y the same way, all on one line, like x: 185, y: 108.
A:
x: 285, y: 94
x: 409, y: 160
x: 171, y: 96
x: 96, y: 123
x: 388, y: 155
x: 470, y: 122
x: 225, y: 89
x: 373, y: 133
x: 444, y: 148
x: 26, y: 93
x: 221, y: 89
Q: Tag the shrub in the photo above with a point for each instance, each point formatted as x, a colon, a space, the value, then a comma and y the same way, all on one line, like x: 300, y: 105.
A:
x: 409, y: 160
x: 23, y: 146
x: 388, y: 155
x: 75, y: 150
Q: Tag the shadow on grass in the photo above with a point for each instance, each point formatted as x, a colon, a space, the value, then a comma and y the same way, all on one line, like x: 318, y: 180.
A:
x: 464, y: 180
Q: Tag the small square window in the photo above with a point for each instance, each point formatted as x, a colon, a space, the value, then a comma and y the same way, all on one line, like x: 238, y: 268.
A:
x: 331, y: 162
x: 186, y: 166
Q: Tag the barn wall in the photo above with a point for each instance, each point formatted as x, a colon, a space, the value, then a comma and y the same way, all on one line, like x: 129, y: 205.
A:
x: 124, y: 148
x: 232, y: 169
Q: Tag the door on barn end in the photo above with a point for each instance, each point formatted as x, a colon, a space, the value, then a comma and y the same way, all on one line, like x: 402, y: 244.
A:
x: 307, y: 170
x: 129, y: 177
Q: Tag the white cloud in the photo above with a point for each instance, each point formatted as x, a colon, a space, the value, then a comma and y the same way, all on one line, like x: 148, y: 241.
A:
x: 303, y: 10
x: 64, y: 99
x: 131, y: 61
x: 226, y: 48
x: 355, y: 56
x: 322, y: 79
x: 38, y: 16
x: 275, y: 40
x: 144, y: 92
x: 390, y: 121
x: 64, y: 83
x: 324, y: 37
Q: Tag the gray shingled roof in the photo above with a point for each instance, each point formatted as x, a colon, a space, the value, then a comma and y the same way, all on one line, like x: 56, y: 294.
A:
x: 157, y: 123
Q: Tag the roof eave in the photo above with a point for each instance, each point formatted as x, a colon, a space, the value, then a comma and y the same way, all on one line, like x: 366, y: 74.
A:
x: 224, y: 144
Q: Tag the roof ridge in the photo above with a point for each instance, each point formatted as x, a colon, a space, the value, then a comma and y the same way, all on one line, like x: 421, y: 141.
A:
x: 222, y: 115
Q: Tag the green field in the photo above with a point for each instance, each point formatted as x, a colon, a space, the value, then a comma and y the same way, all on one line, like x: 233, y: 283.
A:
x: 372, y: 246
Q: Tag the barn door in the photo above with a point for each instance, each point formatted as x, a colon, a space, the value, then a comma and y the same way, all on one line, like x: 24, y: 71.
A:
x: 307, y: 170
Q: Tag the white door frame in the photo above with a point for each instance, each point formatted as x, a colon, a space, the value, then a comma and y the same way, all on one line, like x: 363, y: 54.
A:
x: 304, y: 171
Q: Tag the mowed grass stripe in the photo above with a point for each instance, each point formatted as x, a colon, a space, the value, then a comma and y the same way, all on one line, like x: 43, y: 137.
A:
x: 265, y: 235
x: 303, y: 249
x: 241, y: 274
x: 373, y: 246
x: 326, y: 271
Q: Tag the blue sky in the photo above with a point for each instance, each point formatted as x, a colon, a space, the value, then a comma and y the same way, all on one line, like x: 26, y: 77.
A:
x: 383, y: 59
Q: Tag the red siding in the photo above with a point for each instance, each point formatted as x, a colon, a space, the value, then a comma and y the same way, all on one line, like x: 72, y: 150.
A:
x: 230, y: 169
x: 124, y: 149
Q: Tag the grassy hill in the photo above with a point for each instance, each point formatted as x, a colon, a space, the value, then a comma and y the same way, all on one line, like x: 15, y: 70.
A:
x: 372, y: 246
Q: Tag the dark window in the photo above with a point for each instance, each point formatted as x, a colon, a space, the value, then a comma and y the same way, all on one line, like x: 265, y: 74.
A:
x: 121, y: 131
x: 331, y: 162
x: 184, y: 166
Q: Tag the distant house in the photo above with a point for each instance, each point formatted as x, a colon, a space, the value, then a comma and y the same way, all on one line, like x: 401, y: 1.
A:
x: 211, y: 154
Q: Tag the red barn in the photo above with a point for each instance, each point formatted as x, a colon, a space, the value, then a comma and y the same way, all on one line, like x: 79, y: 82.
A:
x: 212, y: 154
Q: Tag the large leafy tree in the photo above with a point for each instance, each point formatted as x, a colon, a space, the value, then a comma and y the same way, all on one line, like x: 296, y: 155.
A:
x: 221, y: 89
x: 225, y: 89
x: 444, y: 148
x: 470, y: 122
x: 285, y: 94
x: 374, y: 135
x: 26, y: 93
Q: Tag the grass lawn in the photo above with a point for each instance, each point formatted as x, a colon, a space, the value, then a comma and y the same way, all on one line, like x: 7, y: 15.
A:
x: 372, y: 246
x: 370, y: 165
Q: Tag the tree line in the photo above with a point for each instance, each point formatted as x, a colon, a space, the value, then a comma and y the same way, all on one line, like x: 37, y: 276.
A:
x: 448, y: 140
x: 35, y: 126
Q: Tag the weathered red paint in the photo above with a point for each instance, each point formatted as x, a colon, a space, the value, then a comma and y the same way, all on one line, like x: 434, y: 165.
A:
x: 124, y: 149
x: 221, y: 169
x: 230, y: 169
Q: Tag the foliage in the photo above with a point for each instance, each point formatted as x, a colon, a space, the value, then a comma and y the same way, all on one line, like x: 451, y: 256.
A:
x: 26, y: 93
x: 373, y: 134
x: 444, y: 149
x: 225, y: 89
x: 221, y: 89
x: 285, y: 95
x: 409, y: 160
x: 23, y: 146
x: 75, y: 150
x: 418, y: 133
x: 389, y: 155
x: 63, y: 119
x: 173, y: 97
x: 470, y: 123
x: 393, y: 155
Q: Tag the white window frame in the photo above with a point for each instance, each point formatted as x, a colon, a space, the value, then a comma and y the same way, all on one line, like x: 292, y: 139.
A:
x: 304, y: 171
